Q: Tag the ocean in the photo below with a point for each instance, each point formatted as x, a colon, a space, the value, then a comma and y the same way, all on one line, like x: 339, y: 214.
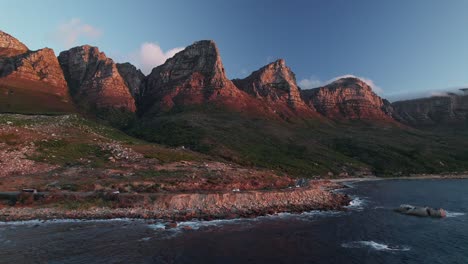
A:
x: 368, y: 232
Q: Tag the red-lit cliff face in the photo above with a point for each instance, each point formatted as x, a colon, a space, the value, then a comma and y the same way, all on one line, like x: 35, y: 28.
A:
x: 348, y: 98
x: 10, y: 46
x: 94, y: 80
x: 31, y: 77
x: 275, y: 84
x: 192, y: 77
x: 433, y: 111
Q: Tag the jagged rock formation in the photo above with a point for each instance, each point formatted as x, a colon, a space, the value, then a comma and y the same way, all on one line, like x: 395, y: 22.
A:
x: 41, y: 65
x: 193, y: 76
x: 133, y: 77
x: 275, y: 83
x: 10, y: 46
x: 437, y: 110
x: 31, y: 80
x: 94, y: 80
x: 348, y: 98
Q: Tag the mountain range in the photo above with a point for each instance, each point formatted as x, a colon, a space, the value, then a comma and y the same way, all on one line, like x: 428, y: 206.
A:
x: 265, y: 120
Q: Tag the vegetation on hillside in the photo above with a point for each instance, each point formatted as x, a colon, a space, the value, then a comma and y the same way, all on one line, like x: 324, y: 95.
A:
x: 305, y: 148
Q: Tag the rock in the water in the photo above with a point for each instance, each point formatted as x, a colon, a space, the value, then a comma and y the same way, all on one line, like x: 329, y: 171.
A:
x: 421, y: 211
x: 94, y: 80
x: 349, y: 98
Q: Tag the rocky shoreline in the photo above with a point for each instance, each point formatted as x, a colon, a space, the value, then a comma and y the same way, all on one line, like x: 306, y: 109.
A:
x: 184, y: 206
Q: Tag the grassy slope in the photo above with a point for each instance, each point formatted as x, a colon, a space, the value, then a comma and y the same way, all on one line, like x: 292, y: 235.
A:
x: 308, y: 148
x: 79, y: 140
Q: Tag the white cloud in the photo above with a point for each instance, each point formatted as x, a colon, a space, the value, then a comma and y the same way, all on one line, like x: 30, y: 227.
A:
x: 409, y: 95
x: 244, y: 72
x: 70, y: 32
x: 309, y: 83
x: 438, y: 94
x: 151, y: 55
x: 312, y: 82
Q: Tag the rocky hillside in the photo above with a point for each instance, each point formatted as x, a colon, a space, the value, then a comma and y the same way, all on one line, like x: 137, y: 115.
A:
x: 348, y: 98
x: 94, y: 80
x: 30, y: 81
x: 276, y: 84
x: 434, y: 111
x: 69, y: 152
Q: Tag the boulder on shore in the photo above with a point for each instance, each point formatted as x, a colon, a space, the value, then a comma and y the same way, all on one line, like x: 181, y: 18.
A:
x: 421, y: 211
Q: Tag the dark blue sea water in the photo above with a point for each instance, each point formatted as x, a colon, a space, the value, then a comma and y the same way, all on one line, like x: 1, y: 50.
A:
x: 369, y: 232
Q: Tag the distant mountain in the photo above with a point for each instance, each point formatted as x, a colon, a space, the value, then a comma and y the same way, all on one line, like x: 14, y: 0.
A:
x: 448, y: 110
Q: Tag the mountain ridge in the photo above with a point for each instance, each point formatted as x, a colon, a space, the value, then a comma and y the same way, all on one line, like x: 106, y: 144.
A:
x: 264, y: 120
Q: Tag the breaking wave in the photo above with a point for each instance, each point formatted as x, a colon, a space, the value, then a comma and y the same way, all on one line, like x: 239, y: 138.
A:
x: 454, y: 214
x: 357, y: 204
x: 375, y: 245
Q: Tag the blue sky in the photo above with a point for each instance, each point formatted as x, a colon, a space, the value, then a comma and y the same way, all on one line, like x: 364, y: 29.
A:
x: 406, y: 47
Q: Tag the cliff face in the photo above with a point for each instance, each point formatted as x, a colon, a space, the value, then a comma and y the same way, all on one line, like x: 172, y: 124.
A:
x: 348, y: 98
x: 133, y: 77
x: 41, y: 65
x: 275, y: 83
x: 31, y: 77
x: 94, y: 80
x: 193, y: 76
x: 437, y: 110
x: 10, y: 46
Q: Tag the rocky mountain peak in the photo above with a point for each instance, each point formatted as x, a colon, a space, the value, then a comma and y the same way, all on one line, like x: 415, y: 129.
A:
x: 31, y: 76
x: 200, y: 57
x: 351, y: 83
x: 348, y: 98
x: 10, y: 46
x: 275, y: 83
x: 94, y: 79
x: 192, y: 76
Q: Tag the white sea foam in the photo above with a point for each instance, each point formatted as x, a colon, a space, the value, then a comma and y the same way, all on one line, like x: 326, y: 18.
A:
x: 243, y: 222
x: 157, y: 226
x: 195, y: 224
x: 357, y: 203
x: 59, y: 221
x: 309, y: 215
x: 454, y: 214
x: 374, y: 245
